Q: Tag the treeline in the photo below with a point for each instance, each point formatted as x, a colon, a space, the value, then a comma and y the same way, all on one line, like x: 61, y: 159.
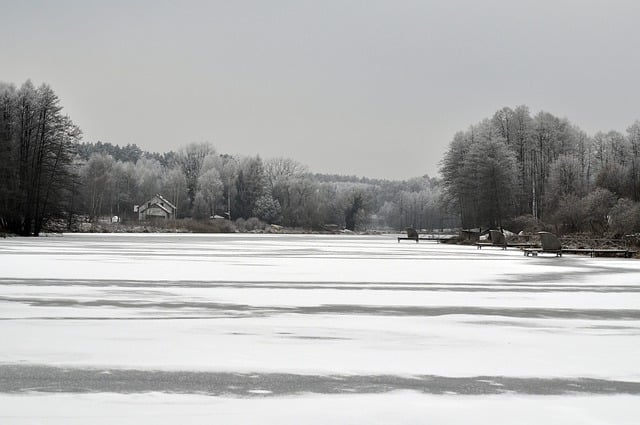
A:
x: 203, y: 183
x: 514, y: 168
x: 49, y: 175
x: 511, y: 170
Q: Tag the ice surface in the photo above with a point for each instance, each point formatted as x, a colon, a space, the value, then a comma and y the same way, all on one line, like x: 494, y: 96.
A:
x: 310, y: 305
x: 391, y: 408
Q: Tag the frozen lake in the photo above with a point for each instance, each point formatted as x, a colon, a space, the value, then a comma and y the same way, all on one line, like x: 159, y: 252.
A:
x: 163, y: 328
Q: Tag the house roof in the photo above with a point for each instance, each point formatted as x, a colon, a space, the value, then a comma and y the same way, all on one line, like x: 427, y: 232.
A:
x: 162, y: 207
x: 145, y: 207
x: 150, y: 204
x: 167, y: 202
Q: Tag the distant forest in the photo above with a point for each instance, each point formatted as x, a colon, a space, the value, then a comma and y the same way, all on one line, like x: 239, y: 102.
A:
x: 512, y: 170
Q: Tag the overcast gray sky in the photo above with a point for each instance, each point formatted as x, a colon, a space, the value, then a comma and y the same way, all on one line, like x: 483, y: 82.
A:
x: 371, y: 88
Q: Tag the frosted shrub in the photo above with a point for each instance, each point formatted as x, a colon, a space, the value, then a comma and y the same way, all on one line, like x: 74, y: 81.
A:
x: 624, y: 217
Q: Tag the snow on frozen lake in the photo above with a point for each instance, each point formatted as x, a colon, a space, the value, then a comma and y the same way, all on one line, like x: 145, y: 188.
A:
x: 158, y: 327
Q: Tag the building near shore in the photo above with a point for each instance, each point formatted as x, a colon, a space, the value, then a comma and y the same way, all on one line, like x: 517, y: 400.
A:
x: 156, y: 208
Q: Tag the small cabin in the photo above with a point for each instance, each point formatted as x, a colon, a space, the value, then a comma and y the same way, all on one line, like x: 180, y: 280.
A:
x: 156, y: 208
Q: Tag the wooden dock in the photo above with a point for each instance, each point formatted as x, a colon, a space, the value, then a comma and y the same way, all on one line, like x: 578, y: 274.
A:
x: 427, y: 238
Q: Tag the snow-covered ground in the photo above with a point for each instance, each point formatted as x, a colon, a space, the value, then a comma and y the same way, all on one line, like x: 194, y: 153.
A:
x: 305, y: 329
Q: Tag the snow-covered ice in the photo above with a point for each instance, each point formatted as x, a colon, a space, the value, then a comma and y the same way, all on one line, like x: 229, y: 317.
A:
x: 376, y: 409
x: 377, y: 330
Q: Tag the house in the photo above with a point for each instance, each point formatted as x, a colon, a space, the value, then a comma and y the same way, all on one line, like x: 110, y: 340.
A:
x: 156, y: 208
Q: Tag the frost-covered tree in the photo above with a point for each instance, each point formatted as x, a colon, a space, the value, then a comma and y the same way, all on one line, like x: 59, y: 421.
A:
x: 458, y: 189
x: 633, y: 179
x: 124, y: 189
x: 625, y: 217
x: 267, y: 209
x: 210, y: 188
x: 149, y: 175
x: 565, y: 178
x: 190, y: 158
x: 480, y: 178
x: 175, y: 187
x: 250, y: 186
x: 97, y: 175
x: 37, y: 143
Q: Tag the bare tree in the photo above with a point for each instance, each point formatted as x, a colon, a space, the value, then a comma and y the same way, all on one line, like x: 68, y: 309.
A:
x: 175, y: 186
x: 38, y: 141
x: 191, y: 158
x: 97, y: 175
x: 211, y: 189
x: 633, y: 136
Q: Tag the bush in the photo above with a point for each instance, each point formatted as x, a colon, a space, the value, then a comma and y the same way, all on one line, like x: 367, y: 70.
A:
x: 597, y: 205
x: 206, y: 226
x: 250, y: 225
x: 525, y: 223
x: 571, y: 213
x: 624, y: 217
